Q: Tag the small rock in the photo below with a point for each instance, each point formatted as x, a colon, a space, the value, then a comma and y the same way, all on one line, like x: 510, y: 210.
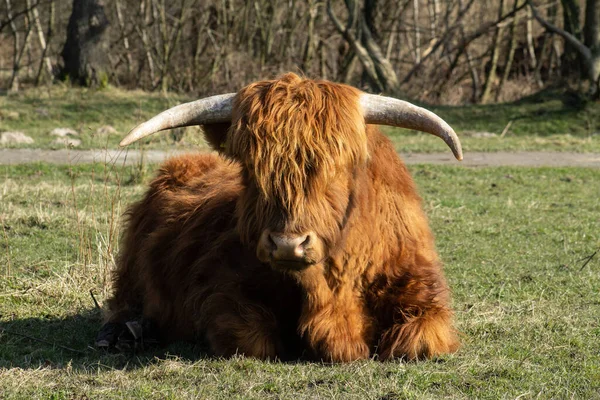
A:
x: 67, y: 141
x: 63, y: 132
x: 7, y: 114
x: 42, y: 112
x: 15, y: 138
x: 482, y: 134
x: 106, y: 130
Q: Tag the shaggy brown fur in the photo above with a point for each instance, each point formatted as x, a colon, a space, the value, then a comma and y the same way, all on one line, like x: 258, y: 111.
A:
x: 297, y: 157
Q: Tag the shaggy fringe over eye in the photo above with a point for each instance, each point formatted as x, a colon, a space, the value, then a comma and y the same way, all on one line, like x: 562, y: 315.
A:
x: 292, y: 134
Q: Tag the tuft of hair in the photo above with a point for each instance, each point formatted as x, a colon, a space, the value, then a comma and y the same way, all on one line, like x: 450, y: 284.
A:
x: 293, y: 134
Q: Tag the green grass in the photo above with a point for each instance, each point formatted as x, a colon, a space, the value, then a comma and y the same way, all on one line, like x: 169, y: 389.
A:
x: 417, y: 142
x: 552, y: 120
x: 513, y: 241
x: 40, y: 110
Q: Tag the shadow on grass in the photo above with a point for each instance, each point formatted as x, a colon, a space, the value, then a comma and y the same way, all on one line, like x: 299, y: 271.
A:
x: 31, y: 343
x: 548, y: 112
x: 569, y: 98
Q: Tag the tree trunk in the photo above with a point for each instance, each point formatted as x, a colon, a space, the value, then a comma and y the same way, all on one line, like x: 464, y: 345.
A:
x: 18, y: 50
x: 591, y: 28
x: 310, y: 36
x: 434, y: 12
x: 85, y: 53
x: 384, y: 69
x: 472, y: 69
x: 590, y: 49
x: 45, y: 60
x: 142, y: 30
x: 591, y: 35
x: 380, y: 73
x: 491, y: 78
x: 511, y: 51
x: 121, y: 22
x: 571, y: 64
x: 417, y: 32
x: 533, y: 61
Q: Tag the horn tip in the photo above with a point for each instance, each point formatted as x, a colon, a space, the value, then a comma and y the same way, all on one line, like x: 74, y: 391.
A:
x: 457, y: 151
x: 131, y: 137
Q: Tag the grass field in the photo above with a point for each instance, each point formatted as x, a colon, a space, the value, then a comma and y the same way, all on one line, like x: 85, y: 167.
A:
x: 516, y: 243
x: 550, y: 121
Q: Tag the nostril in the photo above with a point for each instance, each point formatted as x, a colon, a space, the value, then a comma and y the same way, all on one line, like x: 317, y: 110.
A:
x: 272, y: 243
x: 299, y: 250
x: 287, y: 246
x: 305, y: 243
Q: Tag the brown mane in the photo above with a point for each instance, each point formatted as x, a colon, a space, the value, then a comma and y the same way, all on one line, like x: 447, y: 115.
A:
x: 292, y: 134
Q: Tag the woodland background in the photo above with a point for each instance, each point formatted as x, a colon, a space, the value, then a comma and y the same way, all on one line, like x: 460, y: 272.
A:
x: 448, y: 52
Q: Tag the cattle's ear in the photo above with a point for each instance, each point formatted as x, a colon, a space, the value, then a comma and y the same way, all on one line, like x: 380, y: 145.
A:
x: 216, y: 135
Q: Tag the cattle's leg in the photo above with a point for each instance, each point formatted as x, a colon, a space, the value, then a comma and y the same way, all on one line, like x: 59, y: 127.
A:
x: 232, y: 325
x: 123, y: 306
x: 332, y: 322
x: 420, y: 337
x: 126, y: 328
x: 422, y: 321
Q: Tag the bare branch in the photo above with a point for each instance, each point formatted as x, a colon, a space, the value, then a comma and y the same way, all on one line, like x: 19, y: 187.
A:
x: 433, y: 48
x: 358, y: 48
x: 573, y: 41
x: 12, y: 18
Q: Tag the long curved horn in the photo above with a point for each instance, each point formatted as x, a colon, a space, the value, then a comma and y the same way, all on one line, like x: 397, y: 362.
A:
x: 383, y: 110
x: 209, y: 110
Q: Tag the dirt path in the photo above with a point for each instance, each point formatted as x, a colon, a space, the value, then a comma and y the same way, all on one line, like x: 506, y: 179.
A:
x: 475, y: 159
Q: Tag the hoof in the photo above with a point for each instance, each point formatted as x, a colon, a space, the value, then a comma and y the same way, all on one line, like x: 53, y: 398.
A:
x: 131, y: 335
x: 109, y: 335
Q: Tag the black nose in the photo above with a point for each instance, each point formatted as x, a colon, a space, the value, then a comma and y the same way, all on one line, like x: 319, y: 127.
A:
x: 288, y: 247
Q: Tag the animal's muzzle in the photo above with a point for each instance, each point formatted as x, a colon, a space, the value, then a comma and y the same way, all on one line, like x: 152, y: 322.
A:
x: 289, y: 251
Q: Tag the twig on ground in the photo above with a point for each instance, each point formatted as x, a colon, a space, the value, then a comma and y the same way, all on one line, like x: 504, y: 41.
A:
x: 4, y: 330
x: 8, y: 263
x: 506, y: 128
x: 588, y: 259
x: 95, y: 301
